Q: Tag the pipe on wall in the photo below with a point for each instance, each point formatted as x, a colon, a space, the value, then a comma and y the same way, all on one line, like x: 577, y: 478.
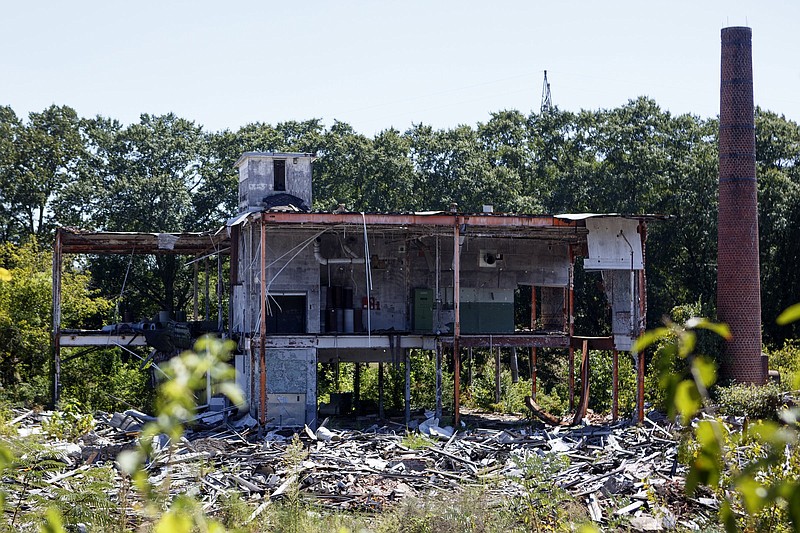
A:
x: 336, y: 260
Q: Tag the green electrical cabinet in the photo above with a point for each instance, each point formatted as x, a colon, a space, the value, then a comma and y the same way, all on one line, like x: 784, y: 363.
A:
x: 423, y: 310
x: 487, y: 310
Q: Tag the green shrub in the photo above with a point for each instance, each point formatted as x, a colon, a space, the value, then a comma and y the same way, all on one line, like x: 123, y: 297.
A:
x: 553, y: 402
x: 706, y: 343
x: 106, y: 380
x: 786, y: 361
x: 601, y: 381
x: 69, y: 422
x: 752, y: 401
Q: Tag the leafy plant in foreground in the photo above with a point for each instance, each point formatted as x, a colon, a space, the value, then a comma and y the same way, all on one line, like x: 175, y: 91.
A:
x: 759, y: 488
x: 176, y: 405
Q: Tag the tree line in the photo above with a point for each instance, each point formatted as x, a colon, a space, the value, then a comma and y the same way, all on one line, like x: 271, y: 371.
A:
x: 165, y: 173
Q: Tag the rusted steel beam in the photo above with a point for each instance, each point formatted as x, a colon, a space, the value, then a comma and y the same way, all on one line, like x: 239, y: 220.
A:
x: 509, y: 340
x: 540, y: 413
x: 584, y: 403
x: 614, y: 385
x: 533, y: 348
x: 440, y: 219
x: 595, y: 343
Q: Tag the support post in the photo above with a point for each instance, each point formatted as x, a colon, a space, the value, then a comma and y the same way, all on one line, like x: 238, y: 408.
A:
x: 356, y: 386
x: 614, y: 385
x: 571, y: 325
x: 571, y: 378
x: 642, y: 325
x: 207, y: 287
x: 219, y: 292
x: 195, y: 289
x: 380, y: 391
x: 470, y: 377
x: 584, y: 404
x: 584, y: 377
x: 438, y: 408
x: 497, y: 375
x: 262, y: 349
x: 640, y: 387
x: 407, y: 361
x: 514, y: 365
x: 533, y: 348
x: 234, y: 276
x: 56, y: 333
x: 457, y: 324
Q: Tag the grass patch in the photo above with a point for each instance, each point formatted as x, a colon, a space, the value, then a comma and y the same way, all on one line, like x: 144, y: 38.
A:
x: 416, y: 441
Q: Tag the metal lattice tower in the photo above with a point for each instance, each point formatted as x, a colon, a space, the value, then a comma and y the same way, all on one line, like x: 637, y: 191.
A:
x: 547, y: 101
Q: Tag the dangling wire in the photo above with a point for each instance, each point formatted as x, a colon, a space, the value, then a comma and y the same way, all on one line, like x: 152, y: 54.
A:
x: 124, y: 282
x: 368, y: 278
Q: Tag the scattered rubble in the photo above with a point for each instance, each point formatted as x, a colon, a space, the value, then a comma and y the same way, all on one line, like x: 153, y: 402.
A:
x: 619, y: 471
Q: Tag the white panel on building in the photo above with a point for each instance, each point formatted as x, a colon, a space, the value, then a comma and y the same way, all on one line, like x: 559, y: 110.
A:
x: 614, y: 244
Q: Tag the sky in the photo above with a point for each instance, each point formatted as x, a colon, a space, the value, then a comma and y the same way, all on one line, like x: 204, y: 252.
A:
x: 380, y: 64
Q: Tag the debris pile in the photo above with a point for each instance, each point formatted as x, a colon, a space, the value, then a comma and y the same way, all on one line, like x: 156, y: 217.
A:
x: 616, y: 470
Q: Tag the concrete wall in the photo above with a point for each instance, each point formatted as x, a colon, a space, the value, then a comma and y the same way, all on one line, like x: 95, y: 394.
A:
x: 624, y: 306
x: 256, y: 178
x: 400, y: 264
x: 291, y: 268
x: 291, y: 385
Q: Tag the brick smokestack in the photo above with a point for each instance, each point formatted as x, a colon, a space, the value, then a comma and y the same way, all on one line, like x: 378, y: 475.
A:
x: 738, y: 284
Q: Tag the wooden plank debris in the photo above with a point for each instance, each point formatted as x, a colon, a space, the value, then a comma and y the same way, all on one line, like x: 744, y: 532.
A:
x: 602, y: 465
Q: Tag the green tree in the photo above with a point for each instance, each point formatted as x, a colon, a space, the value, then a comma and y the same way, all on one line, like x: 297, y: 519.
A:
x: 342, y: 168
x: 778, y: 171
x: 10, y: 127
x: 39, y: 160
x: 142, y: 178
x: 26, y: 318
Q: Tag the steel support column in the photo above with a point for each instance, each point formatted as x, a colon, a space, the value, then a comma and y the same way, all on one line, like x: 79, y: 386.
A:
x: 56, y: 333
x: 438, y: 408
x: 533, y: 349
x: 407, y: 361
x: 614, y: 385
x: 262, y: 351
x: 457, y: 324
x: 571, y: 305
x: 642, y: 325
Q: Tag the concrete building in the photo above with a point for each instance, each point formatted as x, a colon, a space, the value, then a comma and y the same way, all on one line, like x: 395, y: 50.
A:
x: 365, y: 287
x: 309, y: 287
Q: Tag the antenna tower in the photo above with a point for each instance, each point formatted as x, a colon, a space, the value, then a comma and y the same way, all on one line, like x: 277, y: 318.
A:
x: 547, y: 101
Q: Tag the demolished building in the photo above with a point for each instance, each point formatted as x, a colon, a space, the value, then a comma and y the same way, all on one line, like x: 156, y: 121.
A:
x: 309, y: 287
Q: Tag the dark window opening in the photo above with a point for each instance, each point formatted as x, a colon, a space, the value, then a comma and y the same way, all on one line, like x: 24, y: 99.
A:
x: 288, y: 314
x: 279, y: 167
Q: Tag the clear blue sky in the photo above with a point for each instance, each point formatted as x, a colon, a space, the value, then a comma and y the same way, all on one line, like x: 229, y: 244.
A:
x: 377, y: 64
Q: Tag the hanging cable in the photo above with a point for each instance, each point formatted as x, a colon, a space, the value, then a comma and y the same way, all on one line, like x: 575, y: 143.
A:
x: 124, y: 282
x: 368, y: 278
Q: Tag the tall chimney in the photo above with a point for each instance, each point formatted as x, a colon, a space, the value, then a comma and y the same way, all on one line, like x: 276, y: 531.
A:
x: 738, y: 284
